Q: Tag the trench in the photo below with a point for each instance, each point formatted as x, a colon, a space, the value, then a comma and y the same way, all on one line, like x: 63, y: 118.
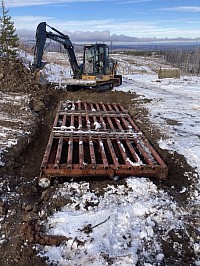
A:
x: 21, y: 177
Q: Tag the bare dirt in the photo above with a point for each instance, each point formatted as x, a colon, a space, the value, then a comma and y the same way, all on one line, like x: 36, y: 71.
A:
x: 20, y: 212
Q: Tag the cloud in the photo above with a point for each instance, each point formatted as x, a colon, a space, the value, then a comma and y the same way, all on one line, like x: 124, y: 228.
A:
x: 139, y: 29
x: 136, y: 1
x: 22, y: 3
x: 29, y: 22
x: 181, y: 9
x: 117, y: 26
x: 77, y: 36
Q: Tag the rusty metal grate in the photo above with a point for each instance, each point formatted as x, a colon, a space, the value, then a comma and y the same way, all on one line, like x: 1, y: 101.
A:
x: 97, y: 139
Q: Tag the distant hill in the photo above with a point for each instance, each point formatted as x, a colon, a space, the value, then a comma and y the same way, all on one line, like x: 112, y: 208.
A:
x: 116, y: 42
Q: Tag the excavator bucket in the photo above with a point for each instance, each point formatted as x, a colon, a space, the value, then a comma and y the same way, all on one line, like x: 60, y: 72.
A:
x: 97, y: 139
x: 39, y: 78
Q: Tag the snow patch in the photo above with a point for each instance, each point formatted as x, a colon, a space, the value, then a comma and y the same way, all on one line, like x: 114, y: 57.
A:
x: 118, y: 225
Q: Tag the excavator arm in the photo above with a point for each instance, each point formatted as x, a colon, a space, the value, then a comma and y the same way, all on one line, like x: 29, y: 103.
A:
x: 41, y: 36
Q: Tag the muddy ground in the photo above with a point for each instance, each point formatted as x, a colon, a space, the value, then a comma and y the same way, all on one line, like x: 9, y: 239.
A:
x: 20, y: 212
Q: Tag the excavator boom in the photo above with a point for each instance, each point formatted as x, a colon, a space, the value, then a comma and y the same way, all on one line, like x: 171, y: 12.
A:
x: 41, y: 36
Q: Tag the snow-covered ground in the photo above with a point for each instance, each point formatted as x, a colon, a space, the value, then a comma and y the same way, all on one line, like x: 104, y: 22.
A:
x: 59, y: 69
x: 128, y: 224
x: 15, y: 120
x: 118, y: 226
x: 175, y: 110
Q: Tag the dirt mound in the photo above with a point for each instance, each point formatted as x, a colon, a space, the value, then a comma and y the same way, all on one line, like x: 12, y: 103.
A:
x: 16, y: 77
x: 23, y: 103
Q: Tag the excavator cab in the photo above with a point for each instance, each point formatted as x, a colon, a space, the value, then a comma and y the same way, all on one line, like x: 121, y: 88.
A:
x: 96, y: 60
x: 97, y: 66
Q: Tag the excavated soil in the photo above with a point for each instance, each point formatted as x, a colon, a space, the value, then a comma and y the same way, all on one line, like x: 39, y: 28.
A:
x: 20, y: 212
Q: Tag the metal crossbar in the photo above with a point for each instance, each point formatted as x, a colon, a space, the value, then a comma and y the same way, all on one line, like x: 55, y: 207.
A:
x: 98, y: 139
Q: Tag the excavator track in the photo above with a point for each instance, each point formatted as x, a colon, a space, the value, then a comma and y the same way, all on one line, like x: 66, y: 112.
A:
x: 98, y: 139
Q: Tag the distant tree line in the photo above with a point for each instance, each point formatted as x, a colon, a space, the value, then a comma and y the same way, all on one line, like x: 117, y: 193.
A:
x: 50, y: 46
x: 188, y: 61
x: 138, y: 52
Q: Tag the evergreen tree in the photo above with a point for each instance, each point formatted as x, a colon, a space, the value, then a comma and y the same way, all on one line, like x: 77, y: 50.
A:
x: 8, y: 38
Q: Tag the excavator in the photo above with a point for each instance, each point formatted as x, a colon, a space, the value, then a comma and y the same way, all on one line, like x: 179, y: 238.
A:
x: 97, y: 72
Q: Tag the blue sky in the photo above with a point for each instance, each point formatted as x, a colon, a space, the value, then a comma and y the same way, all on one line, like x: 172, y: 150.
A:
x: 137, y: 18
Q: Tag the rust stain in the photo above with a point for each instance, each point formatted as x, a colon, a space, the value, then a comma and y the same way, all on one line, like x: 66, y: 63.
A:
x: 98, y: 139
